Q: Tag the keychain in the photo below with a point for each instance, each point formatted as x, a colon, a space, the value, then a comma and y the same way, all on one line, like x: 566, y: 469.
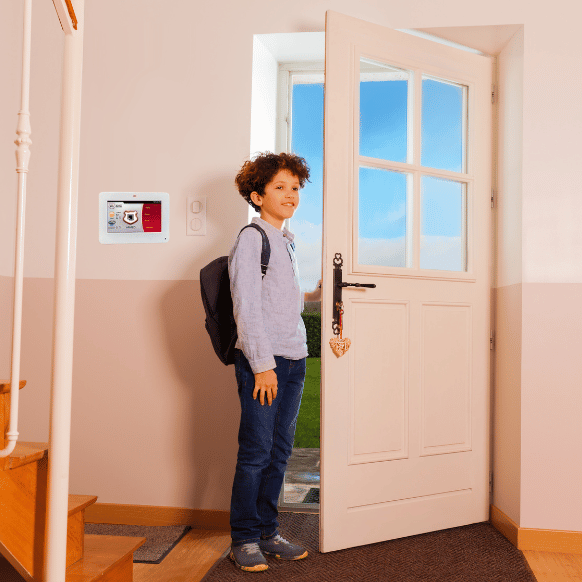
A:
x: 342, y: 345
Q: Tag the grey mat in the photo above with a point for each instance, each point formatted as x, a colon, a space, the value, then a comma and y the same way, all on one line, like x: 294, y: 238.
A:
x: 312, y: 496
x: 160, y: 540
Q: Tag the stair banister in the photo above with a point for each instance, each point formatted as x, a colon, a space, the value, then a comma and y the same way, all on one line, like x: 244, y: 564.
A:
x: 22, y: 159
x: 64, y: 306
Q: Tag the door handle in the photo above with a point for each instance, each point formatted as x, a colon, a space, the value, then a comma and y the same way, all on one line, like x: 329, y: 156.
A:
x: 356, y: 285
x: 338, y: 285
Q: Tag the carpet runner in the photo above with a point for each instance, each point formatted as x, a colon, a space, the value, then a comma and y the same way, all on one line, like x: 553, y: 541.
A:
x: 471, y: 553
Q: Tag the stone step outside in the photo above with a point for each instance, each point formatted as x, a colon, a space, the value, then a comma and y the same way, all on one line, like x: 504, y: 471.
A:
x: 302, y: 474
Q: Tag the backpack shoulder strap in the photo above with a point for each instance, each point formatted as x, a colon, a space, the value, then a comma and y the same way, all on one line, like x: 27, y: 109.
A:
x: 266, y: 248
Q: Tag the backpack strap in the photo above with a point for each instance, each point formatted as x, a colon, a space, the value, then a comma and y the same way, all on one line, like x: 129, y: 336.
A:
x: 266, y: 248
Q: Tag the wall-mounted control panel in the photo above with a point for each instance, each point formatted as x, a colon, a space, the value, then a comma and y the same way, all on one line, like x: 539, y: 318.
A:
x: 134, y: 217
x: 196, y: 215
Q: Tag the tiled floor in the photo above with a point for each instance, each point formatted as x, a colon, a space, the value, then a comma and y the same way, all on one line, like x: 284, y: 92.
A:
x: 302, y: 474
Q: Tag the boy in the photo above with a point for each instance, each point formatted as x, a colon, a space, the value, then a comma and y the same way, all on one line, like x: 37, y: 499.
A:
x: 269, y: 357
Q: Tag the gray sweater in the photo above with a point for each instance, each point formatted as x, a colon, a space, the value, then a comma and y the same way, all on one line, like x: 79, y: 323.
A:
x: 267, y: 311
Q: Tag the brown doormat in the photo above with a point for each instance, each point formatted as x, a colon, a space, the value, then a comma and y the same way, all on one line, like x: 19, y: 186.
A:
x: 160, y: 540
x: 471, y: 553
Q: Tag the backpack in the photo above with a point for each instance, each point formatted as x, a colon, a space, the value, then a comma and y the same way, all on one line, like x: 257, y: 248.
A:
x: 217, y: 300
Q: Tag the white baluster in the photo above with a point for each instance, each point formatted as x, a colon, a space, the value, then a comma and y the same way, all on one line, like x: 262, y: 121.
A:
x: 22, y: 158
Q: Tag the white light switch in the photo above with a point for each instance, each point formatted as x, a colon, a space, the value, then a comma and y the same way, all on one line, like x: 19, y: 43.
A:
x: 196, y: 215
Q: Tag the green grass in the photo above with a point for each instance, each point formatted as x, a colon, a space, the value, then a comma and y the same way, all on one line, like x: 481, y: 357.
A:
x: 307, y: 432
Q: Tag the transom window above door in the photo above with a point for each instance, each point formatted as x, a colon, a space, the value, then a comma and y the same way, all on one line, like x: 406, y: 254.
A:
x: 412, y: 186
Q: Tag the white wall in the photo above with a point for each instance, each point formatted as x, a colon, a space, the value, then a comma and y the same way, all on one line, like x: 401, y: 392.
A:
x: 264, y: 99
x: 510, y: 165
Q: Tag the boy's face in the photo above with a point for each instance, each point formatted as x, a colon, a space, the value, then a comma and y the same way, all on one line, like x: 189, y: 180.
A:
x: 280, y: 200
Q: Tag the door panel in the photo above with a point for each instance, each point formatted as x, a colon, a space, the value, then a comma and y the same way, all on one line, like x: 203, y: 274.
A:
x: 378, y: 393
x: 445, y: 380
x: 405, y: 412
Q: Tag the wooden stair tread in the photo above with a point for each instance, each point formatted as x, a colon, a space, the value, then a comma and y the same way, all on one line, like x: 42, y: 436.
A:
x: 5, y: 385
x: 79, y: 502
x: 23, y: 454
x: 102, y: 554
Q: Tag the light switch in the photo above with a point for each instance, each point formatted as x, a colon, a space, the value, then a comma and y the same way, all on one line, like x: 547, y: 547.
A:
x: 196, y: 215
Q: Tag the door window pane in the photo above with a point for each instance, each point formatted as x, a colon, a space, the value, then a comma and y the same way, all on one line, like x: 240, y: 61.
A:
x: 443, y: 127
x: 443, y: 238
x: 383, y: 111
x: 383, y: 217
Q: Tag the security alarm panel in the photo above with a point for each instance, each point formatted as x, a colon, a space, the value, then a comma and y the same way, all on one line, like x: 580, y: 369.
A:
x: 134, y: 217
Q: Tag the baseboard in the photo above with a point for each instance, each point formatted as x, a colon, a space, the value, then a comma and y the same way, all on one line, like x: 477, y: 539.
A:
x: 212, y: 519
x: 537, y: 540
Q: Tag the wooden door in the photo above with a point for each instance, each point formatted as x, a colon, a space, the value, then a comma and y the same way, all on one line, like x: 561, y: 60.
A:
x: 407, y: 182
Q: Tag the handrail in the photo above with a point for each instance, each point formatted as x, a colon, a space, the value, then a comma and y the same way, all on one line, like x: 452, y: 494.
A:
x: 66, y: 14
x: 22, y: 159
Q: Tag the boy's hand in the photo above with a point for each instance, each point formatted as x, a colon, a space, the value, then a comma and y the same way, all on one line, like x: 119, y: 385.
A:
x: 265, y: 383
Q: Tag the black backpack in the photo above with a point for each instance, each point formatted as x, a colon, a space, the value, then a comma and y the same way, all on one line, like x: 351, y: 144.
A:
x: 217, y: 300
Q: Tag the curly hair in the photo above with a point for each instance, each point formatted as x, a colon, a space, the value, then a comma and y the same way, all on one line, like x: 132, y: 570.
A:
x: 256, y: 174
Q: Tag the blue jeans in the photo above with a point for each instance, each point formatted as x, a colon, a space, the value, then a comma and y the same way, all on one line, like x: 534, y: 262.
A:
x: 265, y: 442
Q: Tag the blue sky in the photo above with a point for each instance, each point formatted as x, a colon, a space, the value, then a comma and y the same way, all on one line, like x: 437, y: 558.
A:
x: 382, y: 194
x: 307, y: 141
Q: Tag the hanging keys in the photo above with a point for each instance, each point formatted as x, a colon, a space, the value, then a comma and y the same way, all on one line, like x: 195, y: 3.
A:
x: 340, y: 345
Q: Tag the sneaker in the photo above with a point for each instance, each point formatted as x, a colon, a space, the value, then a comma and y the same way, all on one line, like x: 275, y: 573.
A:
x: 248, y: 557
x: 280, y: 548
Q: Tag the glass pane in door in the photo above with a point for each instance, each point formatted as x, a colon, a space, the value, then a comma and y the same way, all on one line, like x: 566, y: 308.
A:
x: 383, y: 217
x: 444, y: 110
x: 443, y: 237
x: 384, y: 112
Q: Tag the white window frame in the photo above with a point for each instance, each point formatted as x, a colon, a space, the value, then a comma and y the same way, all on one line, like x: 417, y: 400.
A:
x: 291, y: 73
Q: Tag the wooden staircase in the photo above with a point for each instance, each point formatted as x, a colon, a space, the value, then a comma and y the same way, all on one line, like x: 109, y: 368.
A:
x: 23, y: 506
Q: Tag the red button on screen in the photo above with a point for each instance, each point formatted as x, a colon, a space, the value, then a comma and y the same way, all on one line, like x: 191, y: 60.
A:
x: 152, y: 218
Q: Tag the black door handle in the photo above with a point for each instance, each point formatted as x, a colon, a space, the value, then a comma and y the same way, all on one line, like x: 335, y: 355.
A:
x: 337, y: 291
x: 371, y: 285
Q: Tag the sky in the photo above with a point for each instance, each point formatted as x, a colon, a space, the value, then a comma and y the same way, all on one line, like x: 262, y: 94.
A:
x: 382, y: 200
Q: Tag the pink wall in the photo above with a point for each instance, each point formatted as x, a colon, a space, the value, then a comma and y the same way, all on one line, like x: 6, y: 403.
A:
x: 506, y: 409
x: 149, y: 405
x: 551, y: 430
x: 166, y: 107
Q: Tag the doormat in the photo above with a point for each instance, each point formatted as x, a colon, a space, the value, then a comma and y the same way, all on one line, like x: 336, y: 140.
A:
x: 312, y: 496
x: 160, y: 540
x: 475, y: 553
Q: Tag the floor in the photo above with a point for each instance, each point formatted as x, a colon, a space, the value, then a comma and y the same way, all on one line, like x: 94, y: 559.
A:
x: 199, y: 550
x: 189, y: 561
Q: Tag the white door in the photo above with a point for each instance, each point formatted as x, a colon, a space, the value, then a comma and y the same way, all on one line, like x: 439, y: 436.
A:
x: 407, y: 182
